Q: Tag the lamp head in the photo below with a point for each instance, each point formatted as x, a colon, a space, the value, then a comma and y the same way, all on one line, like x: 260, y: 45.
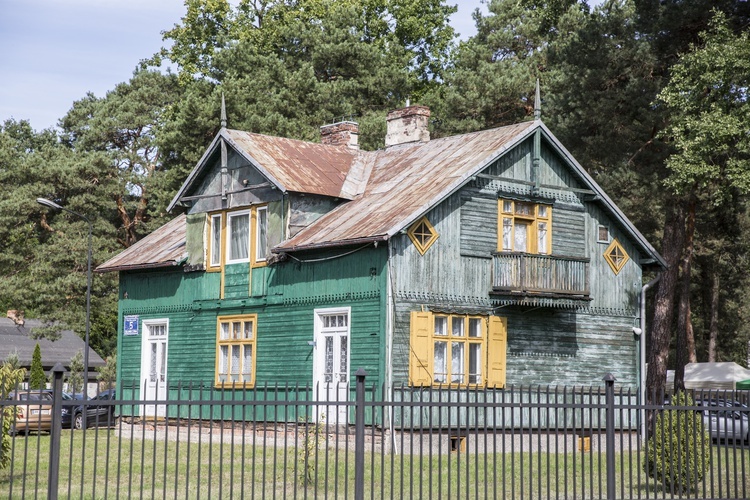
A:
x: 48, y: 203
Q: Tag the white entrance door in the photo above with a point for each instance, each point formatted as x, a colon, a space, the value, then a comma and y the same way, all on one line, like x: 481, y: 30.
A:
x: 154, y: 365
x: 331, y: 364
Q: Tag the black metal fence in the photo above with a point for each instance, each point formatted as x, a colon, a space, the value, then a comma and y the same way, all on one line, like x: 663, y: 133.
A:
x: 443, y: 442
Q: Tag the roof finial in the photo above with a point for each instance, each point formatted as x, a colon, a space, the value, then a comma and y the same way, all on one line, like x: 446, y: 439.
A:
x: 223, y: 112
x: 537, y: 103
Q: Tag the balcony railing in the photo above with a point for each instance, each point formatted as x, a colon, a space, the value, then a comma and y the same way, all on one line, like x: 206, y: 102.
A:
x: 541, y: 274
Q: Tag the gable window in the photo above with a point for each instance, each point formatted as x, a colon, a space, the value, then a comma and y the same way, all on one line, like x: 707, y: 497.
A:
x: 236, y: 237
x: 422, y: 234
x: 524, y: 227
x: 214, y: 245
x: 616, y: 256
x: 235, y: 350
x: 602, y: 234
x: 261, y: 236
x: 457, y: 349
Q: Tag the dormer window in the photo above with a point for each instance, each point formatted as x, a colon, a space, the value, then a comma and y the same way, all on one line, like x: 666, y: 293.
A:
x: 237, y: 236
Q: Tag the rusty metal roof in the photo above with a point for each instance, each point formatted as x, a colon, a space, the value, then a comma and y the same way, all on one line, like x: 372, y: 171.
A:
x: 388, y: 189
x: 290, y: 164
x: 304, y: 167
x: 405, y: 183
x: 163, y: 248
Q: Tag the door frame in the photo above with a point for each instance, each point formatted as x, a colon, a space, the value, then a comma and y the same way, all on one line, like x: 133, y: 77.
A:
x: 152, y: 410
x: 319, y: 361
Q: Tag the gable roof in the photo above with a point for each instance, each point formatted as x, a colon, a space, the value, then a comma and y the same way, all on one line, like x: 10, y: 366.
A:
x: 403, y: 186
x: 164, y: 247
x: 388, y: 189
x: 289, y: 164
x: 17, y: 338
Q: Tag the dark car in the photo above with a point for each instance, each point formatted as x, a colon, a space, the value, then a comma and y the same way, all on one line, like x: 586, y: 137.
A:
x: 96, y: 413
x: 67, y: 410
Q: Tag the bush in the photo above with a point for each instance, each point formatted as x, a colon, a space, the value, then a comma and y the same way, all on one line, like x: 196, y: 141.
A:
x: 678, y: 453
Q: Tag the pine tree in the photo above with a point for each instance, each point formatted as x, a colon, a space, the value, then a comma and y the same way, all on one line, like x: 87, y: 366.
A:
x: 37, y: 379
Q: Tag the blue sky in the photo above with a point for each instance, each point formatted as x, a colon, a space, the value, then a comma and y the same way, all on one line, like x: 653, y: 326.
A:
x: 55, y: 51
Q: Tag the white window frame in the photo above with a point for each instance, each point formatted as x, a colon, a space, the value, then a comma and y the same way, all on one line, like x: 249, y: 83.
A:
x: 214, y: 250
x: 260, y: 256
x: 230, y: 216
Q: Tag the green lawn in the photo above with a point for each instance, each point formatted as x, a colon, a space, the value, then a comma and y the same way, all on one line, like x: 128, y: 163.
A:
x: 107, y: 466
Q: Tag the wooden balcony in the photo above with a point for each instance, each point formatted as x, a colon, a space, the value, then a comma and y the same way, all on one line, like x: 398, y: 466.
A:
x: 540, y: 275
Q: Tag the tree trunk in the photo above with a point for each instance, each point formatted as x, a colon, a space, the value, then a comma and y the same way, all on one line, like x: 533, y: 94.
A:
x: 685, y: 340
x: 713, y: 328
x: 661, y: 329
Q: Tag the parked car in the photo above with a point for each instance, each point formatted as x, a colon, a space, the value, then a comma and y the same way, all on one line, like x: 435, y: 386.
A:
x: 726, y: 419
x: 33, y: 411
x: 67, y: 410
x: 96, y: 414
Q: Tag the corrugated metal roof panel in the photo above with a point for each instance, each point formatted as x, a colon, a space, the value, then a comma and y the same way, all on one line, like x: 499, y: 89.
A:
x: 162, y: 248
x: 299, y: 166
x: 407, y: 181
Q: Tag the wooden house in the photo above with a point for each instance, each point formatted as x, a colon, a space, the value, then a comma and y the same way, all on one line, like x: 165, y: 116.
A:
x: 479, y: 260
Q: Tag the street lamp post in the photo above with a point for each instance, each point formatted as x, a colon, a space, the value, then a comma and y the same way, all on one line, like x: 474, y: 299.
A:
x: 52, y: 204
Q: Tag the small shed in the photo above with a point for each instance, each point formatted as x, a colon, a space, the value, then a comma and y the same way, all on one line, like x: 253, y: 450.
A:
x: 726, y: 375
x: 15, y: 336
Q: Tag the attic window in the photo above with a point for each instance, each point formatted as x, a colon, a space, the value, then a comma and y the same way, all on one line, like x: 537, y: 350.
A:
x: 616, y: 256
x: 423, y: 235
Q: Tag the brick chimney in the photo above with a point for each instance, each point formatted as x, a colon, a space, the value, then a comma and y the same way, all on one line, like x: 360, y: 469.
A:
x: 408, y: 124
x: 16, y: 316
x: 340, y: 134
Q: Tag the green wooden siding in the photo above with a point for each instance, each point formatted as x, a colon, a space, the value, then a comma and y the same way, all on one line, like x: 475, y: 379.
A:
x: 284, y: 326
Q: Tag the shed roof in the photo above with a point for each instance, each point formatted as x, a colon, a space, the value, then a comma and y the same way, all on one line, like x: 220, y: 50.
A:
x: 17, y: 338
x: 163, y: 248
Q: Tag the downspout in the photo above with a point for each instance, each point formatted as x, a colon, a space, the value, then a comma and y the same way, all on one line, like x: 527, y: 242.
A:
x: 642, y: 353
x: 389, y: 333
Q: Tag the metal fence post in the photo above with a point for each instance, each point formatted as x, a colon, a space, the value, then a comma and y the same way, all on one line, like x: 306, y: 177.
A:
x: 359, y: 436
x: 54, y: 442
x: 609, y: 395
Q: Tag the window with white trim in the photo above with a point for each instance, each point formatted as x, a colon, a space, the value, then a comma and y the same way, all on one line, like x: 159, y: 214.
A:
x: 238, y: 236
x: 235, y: 349
x: 261, y: 234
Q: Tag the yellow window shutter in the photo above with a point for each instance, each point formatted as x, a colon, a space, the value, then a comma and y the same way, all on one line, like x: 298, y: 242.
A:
x: 420, y: 360
x: 497, y: 344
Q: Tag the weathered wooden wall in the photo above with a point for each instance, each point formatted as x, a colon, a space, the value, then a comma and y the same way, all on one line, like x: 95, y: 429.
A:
x: 545, y: 345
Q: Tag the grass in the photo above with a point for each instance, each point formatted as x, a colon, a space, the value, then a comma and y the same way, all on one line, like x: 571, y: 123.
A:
x: 102, y: 464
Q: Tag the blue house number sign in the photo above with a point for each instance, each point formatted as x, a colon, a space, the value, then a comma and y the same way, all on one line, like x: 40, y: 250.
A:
x: 131, y: 325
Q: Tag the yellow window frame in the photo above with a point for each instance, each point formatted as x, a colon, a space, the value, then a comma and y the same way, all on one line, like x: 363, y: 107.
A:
x: 616, y: 256
x: 534, y: 215
x: 223, y: 216
x: 492, y: 339
x: 239, y: 340
x: 423, y: 235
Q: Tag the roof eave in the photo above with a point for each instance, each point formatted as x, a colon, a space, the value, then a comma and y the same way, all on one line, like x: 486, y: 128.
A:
x: 331, y: 244
x: 135, y: 267
x: 606, y: 200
